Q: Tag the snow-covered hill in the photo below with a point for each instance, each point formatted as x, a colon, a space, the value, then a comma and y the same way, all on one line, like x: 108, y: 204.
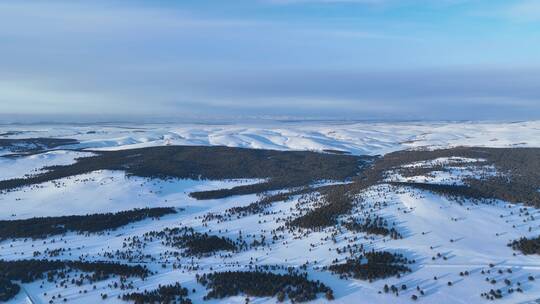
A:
x: 356, y: 138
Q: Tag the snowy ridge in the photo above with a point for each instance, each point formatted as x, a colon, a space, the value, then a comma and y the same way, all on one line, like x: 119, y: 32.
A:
x: 356, y: 138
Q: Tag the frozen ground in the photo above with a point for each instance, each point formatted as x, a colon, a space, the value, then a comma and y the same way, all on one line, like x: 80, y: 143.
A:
x: 21, y: 166
x: 468, y: 237
x: 104, y: 191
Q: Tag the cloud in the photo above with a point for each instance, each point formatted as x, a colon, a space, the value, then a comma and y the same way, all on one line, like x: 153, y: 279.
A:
x: 18, y: 97
x: 401, y: 85
x: 110, y: 57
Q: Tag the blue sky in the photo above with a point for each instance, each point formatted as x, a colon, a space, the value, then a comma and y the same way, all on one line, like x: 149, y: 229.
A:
x: 353, y: 59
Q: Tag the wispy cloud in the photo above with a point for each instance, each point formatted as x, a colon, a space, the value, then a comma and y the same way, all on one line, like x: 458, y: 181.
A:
x: 83, y: 17
x: 364, y: 35
x: 388, y: 3
x: 524, y: 11
x: 283, y: 2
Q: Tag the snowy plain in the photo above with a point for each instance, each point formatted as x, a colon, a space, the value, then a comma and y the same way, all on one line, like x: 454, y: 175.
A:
x: 470, y: 236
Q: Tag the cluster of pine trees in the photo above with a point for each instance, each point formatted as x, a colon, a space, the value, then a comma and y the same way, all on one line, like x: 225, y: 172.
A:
x: 294, y: 286
x: 8, y: 289
x: 195, y: 243
x: 27, y: 271
x: 163, y: 294
x: 374, y: 225
x: 527, y: 246
x: 337, y: 201
x: 373, y: 265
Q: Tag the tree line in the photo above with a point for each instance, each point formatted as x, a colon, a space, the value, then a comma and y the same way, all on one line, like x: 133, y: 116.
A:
x: 41, y: 227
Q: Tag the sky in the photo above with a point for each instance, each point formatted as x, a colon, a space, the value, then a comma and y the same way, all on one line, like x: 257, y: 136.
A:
x: 285, y: 59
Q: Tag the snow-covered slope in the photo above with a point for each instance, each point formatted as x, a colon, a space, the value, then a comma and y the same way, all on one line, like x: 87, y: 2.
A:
x: 468, y: 237
x: 21, y: 166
